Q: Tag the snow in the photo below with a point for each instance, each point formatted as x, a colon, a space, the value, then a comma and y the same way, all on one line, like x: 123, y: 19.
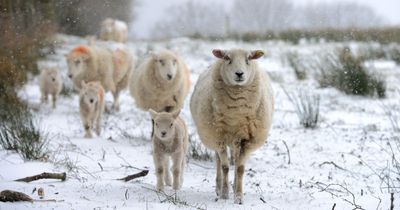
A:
x: 353, y: 134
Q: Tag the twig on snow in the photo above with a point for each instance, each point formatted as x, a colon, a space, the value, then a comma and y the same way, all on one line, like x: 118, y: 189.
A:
x: 134, y: 176
x: 44, y: 175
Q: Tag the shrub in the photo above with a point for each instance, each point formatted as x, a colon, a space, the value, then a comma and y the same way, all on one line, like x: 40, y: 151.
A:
x: 307, y: 107
x: 297, y: 64
x: 394, y: 53
x: 197, y: 151
x: 346, y: 72
x: 20, y: 133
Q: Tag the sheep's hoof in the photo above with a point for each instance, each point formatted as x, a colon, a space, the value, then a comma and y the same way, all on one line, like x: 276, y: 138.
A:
x: 88, y: 135
x: 238, y: 200
x: 224, y: 194
x: 160, y: 188
x: 98, y: 132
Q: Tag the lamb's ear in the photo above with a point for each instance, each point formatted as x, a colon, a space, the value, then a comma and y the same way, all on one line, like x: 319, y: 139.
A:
x: 153, y: 55
x: 256, y: 54
x: 219, y: 53
x: 176, y: 113
x: 153, y: 113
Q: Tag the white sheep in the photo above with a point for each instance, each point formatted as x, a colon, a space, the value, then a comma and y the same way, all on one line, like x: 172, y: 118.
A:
x: 91, y: 106
x: 113, y: 30
x: 50, y: 84
x: 91, y: 63
x: 232, y: 106
x: 170, y: 140
x: 160, y: 83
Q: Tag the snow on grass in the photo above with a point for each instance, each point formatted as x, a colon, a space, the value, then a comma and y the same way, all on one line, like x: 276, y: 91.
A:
x: 328, y: 165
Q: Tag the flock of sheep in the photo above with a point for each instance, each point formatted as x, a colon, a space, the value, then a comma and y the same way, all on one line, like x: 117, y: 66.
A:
x: 232, y: 104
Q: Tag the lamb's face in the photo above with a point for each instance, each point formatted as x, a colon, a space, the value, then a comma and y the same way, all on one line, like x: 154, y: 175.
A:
x: 90, y: 96
x: 238, y: 67
x: 52, y: 76
x: 77, y: 63
x: 107, y: 25
x: 165, y: 66
x: 164, y: 124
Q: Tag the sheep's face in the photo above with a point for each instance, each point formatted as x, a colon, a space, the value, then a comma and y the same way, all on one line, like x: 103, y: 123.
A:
x: 52, y: 76
x: 77, y: 63
x: 90, y: 93
x: 164, y: 124
x: 107, y: 25
x: 238, y: 65
x: 166, y: 66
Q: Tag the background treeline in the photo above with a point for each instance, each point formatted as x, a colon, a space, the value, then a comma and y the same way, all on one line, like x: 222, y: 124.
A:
x: 270, y: 19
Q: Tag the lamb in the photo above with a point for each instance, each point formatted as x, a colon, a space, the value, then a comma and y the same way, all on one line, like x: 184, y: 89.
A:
x: 170, y: 140
x: 160, y: 83
x: 232, y: 106
x: 91, y: 63
x: 91, y: 106
x: 114, y: 30
x: 50, y: 84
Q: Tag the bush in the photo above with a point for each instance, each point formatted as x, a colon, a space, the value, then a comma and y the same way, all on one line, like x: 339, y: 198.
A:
x: 197, y: 151
x: 307, y: 107
x: 394, y: 53
x: 19, y: 132
x: 346, y: 72
x: 297, y: 64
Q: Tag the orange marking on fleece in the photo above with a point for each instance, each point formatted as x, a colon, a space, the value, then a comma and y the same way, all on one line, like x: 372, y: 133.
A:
x: 100, y: 93
x: 81, y: 49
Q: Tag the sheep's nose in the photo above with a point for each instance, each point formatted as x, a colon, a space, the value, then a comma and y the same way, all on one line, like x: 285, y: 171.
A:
x: 70, y: 75
x: 163, y: 133
x: 169, y: 76
x: 54, y: 79
x: 91, y: 100
x: 239, y: 74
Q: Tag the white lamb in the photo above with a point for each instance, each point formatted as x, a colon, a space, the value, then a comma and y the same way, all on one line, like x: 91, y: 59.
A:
x: 50, y: 84
x: 91, y: 106
x: 170, y: 140
x: 114, y: 30
x: 160, y: 83
x: 232, y: 106
x: 91, y: 63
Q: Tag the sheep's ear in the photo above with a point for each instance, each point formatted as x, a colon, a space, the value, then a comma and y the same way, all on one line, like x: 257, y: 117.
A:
x: 153, y: 55
x: 255, y: 54
x: 219, y: 53
x: 153, y: 113
x: 176, y: 113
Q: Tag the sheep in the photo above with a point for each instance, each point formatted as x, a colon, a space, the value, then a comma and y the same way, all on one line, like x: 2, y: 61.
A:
x: 113, y: 30
x: 91, y: 106
x: 170, y: 140
x: 50, y: 84
x: 232, y: 107
x: 91, y: 63
x: 160, y: 83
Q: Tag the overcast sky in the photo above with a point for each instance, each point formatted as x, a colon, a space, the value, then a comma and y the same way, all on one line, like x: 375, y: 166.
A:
x: 150, y: 11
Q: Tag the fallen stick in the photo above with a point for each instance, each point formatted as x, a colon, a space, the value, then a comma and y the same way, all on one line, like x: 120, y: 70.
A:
x: 14, y: 196
x: 44, y: 175
x: 134, y: 176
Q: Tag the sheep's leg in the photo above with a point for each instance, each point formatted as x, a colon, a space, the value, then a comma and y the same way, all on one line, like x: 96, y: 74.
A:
x: 223, y: 155
x: 218, y: 178
x: 45, y: 98
x: 183, y: 167
x: 177, y: 170
x: 88, y: 128
x: 116, y: 100
x: 158, y: 162
x: 240, y: 159
x: 167, y: 174
x: 98, y: 122
x: 54, y: 97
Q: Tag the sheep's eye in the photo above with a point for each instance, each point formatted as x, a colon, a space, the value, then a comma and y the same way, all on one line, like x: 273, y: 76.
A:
x: 174, y: 62
x: 77, y: 62
x: 228, y: 59
x: 161, y: 62
x: 156, y: 124
x: 170, y: 125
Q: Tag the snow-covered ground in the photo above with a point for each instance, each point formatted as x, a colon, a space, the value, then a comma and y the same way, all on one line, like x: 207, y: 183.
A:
x: 329, y: 165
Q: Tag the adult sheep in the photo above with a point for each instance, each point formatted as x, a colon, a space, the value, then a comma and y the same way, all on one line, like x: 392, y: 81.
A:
x: 232, y: 106
x: 92, y: 63
x: 160, y: 83
x: 113, y: 30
